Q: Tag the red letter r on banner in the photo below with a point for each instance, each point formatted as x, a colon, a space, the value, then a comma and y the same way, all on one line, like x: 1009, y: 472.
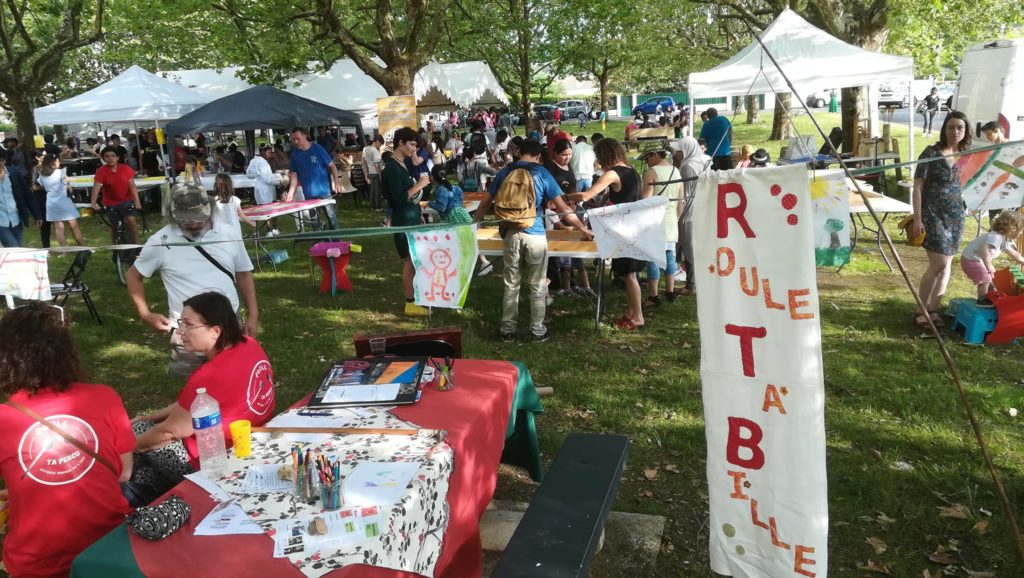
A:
x: 736, y: 441
x: 725, y: 212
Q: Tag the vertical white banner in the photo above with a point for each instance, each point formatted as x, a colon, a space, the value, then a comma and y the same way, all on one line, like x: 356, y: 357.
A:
x: 761, y: 372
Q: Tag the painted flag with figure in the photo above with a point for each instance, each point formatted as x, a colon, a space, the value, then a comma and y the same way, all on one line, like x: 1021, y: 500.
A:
x: 444, y: 261
x: 830, y: 198
x: 994, y: 178
x: 761, y: 373
x: 23, y: 274
x: 634, y: 230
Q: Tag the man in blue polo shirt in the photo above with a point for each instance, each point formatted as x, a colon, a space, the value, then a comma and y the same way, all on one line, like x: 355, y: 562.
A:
x: 529, y: 244
x: 717, y: 132
x: 314, y: 169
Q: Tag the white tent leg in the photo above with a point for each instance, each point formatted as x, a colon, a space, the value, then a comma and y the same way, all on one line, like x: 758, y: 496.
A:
x: 910, y: 122
x: 693, y: 112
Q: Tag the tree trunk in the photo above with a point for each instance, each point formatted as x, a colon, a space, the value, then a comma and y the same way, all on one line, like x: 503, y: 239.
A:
x: 738, y: 103
x: 780, y: 123
x: 397, y: 80
x: 603, y: 81
x: 854, y: 108
x: 753, y: 109
x: 24, y: 119
x: 524, y: 37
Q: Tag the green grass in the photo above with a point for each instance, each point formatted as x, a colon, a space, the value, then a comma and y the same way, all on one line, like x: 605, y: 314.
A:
x: 889, y: 399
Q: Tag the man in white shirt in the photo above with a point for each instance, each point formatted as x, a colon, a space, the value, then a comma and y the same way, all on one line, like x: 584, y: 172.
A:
x: 189, y: 270
x: 582, y: 163
x: 371, y: 166
x: 266, y: 179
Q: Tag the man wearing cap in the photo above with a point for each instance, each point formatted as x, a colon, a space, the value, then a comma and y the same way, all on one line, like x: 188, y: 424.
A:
x: 201, y: 257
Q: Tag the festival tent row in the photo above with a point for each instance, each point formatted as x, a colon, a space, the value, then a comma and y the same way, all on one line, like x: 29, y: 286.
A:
x: 345, y: 86
x: 135, y: 95
x: 262, y: 107
x: 809, y: 56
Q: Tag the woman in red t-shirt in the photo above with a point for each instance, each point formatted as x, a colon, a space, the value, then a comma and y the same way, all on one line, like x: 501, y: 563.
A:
x: 237, y: 375
x: 63, y: 495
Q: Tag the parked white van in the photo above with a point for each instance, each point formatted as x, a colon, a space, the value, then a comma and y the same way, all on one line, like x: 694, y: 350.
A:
x: 991, y: 86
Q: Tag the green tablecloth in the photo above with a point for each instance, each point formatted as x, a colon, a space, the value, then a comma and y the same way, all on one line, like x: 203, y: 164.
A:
x: 112, y: 554
x: 521, y: 446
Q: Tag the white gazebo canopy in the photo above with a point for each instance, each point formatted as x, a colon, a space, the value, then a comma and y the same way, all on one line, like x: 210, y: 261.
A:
x: 810, y: 57
x: 345, y: 86
x: 133, y: 95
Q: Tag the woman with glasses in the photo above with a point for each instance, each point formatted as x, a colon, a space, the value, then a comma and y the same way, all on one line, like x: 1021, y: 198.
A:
x: 61, y: 476
x: 237, y: 375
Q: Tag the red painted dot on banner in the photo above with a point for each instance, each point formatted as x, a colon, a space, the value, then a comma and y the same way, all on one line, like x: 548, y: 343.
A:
x: 447, y: 237
x: 791, y: 219
x: 435, y: 237
x: 776, y: 189
x: 788, y: 201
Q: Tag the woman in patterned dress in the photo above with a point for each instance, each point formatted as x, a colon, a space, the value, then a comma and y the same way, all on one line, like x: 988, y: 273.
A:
x: 939, y: 211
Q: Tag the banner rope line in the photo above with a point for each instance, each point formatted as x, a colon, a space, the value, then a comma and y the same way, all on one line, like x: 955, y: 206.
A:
x: 947, y: 357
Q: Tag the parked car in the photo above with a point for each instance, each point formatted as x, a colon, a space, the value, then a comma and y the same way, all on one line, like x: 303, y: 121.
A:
x: 572, y: 108
x: 544, y: 111
x: 896, y: 96
x: 650, y: 106
x: 818, y: 99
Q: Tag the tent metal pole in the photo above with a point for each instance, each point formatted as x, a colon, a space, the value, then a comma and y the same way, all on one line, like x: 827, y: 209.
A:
x: 910, y: 118
x: 693, y: 111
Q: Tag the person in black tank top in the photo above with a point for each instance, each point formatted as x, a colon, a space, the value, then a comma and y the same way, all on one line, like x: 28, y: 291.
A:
x: 623, y: 184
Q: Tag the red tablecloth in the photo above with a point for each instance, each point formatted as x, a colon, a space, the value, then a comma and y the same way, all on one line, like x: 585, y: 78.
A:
x: 475, y: 414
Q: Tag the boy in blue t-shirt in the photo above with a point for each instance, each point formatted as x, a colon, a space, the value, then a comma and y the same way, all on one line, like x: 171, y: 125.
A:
x: 529, y: 244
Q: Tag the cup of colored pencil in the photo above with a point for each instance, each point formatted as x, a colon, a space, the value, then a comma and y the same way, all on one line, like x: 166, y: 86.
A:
x: 304, y: 475
x: 329, y: 473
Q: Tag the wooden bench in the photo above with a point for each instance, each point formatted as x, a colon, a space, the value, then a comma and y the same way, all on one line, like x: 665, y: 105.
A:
x: 559, y: 533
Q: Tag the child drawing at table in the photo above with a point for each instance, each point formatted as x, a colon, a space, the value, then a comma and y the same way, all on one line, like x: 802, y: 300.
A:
x: 228, y: 208
x: 979, y: 254
x: 449, y: 204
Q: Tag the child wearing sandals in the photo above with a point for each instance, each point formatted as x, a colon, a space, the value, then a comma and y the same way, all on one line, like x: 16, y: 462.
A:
x: 977, y: 258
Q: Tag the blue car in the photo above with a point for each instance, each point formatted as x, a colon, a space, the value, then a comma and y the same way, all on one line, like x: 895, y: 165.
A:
x: 650, y: 106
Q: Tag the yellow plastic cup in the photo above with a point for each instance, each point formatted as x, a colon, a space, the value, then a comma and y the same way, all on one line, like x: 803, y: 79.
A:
x: 241, y: 435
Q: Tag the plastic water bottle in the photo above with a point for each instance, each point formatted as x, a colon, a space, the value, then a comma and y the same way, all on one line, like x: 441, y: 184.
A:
x: 209, y: 433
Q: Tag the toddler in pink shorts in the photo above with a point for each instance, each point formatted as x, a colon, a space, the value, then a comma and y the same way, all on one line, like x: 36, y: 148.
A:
x: 979, y: 254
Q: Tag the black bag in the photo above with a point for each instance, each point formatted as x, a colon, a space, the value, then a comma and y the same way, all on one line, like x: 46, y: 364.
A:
x: 478, y: 144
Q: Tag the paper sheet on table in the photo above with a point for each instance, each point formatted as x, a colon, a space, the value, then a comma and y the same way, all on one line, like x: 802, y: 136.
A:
x: 263, y: 478
x: 292, y: 537
x: 360, y: 393
x: 226, y: 519
x: 378, y: 483
x: 340, y: 417
x: 216, y: 492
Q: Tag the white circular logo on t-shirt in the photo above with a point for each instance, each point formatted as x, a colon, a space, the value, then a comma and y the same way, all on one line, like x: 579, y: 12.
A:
x: 49, y: 459
x: 260, y: 395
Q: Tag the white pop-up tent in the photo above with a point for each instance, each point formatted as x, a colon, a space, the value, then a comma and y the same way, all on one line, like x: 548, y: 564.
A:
x: 345, y: 86
x: 133, y: 95
x: 809, y: 56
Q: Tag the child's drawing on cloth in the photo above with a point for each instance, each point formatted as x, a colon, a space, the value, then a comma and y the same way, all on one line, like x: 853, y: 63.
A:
x: 444, y: 261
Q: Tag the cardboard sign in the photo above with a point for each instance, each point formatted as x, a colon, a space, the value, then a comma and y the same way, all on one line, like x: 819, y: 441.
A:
x: 395, y: 112
x: 761, y: 373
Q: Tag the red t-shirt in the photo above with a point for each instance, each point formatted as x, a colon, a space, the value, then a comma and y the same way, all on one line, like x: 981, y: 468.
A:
x: 115, y: 184
x: 242, y: 382
x: 61, y: 499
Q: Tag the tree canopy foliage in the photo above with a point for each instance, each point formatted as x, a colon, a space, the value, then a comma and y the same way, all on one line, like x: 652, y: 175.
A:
x: 68, y: 46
